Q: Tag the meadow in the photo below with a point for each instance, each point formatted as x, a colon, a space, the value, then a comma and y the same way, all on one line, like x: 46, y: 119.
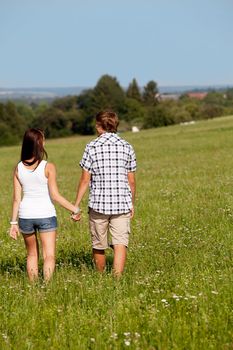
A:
x: 177, y: 289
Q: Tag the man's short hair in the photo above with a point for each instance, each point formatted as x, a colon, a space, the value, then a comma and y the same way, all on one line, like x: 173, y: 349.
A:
x: 107, y: 120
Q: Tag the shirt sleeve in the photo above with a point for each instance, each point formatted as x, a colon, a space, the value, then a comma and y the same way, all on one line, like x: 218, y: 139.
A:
x: 131, y: 165
x: 86, y: 161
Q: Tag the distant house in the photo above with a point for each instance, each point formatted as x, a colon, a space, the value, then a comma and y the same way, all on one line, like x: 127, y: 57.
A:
x: 197, y: 95
x: 165, y: 97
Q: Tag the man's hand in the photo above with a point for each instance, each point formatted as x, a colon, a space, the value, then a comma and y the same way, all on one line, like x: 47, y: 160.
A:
x: 14, y: 231
x: 76, y: 217
x: 132, y: 213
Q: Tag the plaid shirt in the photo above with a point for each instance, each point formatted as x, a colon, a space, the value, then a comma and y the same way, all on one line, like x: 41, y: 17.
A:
x: 109, y: 159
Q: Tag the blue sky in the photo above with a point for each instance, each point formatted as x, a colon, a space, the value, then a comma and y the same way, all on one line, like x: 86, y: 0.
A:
x: 60, y: 43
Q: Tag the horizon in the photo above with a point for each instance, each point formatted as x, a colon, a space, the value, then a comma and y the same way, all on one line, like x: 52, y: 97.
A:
x: 91, y: 87
x: 51, y: 93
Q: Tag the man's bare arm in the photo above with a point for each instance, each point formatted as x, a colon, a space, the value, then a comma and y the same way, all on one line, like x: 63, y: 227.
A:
x: 132, y: 185
x: 82, y: 187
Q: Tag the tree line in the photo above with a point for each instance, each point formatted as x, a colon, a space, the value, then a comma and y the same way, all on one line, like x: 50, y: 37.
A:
x: 141, y: 107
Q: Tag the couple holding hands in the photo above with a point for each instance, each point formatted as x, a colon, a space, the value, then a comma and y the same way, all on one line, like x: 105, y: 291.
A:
x: 108, y: 169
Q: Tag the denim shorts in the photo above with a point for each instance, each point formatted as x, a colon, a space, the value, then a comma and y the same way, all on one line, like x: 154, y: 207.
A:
x: 28, y: 226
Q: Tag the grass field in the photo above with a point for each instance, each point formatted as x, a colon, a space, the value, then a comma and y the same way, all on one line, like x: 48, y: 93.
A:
x: 177, y: 290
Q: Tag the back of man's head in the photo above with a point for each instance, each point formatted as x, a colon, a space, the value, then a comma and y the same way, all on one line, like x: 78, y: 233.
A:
x: 107, y: 120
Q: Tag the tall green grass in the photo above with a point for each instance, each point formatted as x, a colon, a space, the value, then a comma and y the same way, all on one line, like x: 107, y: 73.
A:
x: 177, y: 290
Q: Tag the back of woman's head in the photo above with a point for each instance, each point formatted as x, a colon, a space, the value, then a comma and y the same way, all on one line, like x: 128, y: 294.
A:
x: 33, y: 147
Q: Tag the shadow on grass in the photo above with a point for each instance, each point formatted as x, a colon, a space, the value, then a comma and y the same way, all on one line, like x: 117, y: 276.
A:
x: 109, y: 263
x: 76, y: 259
x: 79, y: 259
x: 13, y: 266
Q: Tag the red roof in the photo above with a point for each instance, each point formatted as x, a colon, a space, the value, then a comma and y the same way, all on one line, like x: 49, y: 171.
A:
x: 198, y: 95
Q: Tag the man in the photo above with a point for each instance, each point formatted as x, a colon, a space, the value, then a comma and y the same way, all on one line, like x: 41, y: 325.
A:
x: 108, y: 166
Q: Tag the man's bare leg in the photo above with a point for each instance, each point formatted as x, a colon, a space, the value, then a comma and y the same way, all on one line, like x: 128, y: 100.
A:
x: 120, y: 252
x: 99, y: 259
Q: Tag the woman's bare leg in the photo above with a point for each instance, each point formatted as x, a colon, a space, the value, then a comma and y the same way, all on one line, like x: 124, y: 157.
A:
x: 32, y: 247
x: 48, y: 241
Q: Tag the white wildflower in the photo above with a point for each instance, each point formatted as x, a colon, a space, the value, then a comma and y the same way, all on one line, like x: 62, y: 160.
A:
x: 126, y: 334
x: 114, y: 336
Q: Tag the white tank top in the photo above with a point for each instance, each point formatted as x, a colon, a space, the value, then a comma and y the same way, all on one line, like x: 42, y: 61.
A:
x: 36, y: 202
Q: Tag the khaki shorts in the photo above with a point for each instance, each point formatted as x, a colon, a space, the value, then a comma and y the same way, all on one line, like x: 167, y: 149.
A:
x: 118, y: 226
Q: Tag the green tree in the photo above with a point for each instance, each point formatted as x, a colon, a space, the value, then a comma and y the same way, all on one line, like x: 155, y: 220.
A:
x: 13, y: 124
x: 149, y: 93
x: 65, y: 103
x: 179, y: 114
x: 215, y: 98
x: 134, y: 112
x: 194, y: 109
x: 40, y: 108
x: 107, y: 94
x: 85, y: 102
x: 54, y: 123
x: 81, y: 123
x: 211, y: 111
x: 158, y: 116
x: 229, y: 94
x: 26, y: 112
x: 7, y: 138
x: 133, y: 91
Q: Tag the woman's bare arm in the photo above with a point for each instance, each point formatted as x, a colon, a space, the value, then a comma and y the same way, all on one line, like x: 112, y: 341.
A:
x: 14, y: 230
x: 53, y: 189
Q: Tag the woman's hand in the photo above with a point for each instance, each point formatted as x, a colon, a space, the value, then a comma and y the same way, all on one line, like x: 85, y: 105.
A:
x: 14, y: 231
x: 76, y: 217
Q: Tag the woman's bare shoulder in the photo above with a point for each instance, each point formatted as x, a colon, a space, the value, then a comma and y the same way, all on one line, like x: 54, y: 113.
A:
x: 15, y: 169
x: 50, y: 165
x: 50, y: 169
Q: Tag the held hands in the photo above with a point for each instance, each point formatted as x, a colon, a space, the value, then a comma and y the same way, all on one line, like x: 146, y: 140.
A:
x: 76, y: 215
x: 14, y: 231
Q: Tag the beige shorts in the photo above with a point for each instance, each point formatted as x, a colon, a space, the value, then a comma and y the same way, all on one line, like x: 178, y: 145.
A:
x: 117, y: 225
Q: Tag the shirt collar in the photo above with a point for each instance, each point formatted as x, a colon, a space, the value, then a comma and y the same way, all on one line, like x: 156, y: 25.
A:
x: 108, y: 135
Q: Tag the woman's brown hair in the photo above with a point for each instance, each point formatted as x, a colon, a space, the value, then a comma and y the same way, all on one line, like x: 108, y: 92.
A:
x: 108, y: 121
x: 33, y: 147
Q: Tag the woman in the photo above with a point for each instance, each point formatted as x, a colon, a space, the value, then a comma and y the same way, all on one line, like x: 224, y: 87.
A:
x: 37, y: 179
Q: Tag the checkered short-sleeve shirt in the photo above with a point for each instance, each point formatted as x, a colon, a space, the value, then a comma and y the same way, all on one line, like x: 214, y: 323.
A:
x: 109, y: 158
